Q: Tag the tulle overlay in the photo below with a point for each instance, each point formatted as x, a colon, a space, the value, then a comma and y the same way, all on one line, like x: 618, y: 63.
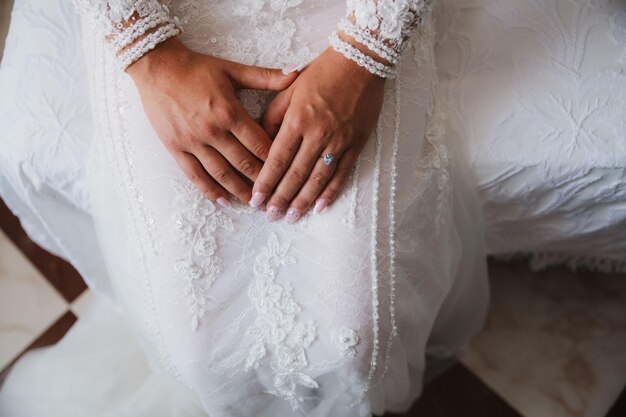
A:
x: 233, y: 315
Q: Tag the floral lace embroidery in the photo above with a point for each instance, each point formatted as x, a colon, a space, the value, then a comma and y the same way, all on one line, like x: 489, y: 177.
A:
x: 276, y: 330
x: 199, y: 224
x: 344, y: 339
x: 394, y: 20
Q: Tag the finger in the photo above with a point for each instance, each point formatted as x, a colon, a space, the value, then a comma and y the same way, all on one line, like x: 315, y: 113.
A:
x: 222, y: 172
x: 281, y: 154
x: 251, y: 134
x: 260, y: 78
x: 337, y: 181
x: 196, y: 173
x: 314, y: 185
x: 275, y: 113
x: 294, y: 178
x: 238, y: 156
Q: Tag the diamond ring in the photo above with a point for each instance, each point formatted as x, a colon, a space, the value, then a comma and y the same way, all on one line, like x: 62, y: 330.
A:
x: 328, y: 158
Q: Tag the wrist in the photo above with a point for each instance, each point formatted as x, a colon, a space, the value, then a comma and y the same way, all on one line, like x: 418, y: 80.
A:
x: 352, y: 74
x: 157, y: 60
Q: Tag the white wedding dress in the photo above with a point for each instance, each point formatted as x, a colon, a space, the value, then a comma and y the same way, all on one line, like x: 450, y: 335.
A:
x: 233, y: 315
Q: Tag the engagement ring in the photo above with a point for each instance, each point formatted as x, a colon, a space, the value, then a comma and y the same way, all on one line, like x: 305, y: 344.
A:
x: 328, y: 158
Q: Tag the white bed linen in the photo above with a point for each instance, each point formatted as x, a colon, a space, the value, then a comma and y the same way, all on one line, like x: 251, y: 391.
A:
x: 536, y: 93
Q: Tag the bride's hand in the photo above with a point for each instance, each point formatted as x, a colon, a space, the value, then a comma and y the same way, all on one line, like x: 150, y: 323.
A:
x: 332, y: 107
x: 190, y: 101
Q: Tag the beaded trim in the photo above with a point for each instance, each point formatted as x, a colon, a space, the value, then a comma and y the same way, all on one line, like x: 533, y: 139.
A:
x: 374, y: 266
x: 365, y: 37
x: 392, y: 230
x: 365, y: 61
x: 146, y: 44
x: 131, y: 33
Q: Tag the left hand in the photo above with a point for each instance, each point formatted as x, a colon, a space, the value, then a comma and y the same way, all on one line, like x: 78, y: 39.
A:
x: 332, y: 107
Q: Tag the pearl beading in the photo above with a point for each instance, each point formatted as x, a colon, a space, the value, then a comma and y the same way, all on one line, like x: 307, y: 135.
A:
x: 366, y: 37
x: 146, y: 44
x: 374, y: 264
x: 392, y: 229
x: 365, y: 61
x: 131, y: 33
x: 355, y: 192
x: 107, y: 97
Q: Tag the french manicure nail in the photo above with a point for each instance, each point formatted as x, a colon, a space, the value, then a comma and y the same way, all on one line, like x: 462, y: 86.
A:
x: 273, y: 213
x: 320, y: 205
x: 222, y: 201
x: 292, y: 68
x: 257, y: 199
x: 289, y: 69
x: 293, y: 214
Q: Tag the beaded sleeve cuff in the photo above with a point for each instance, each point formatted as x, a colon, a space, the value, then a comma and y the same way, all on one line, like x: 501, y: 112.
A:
x: 129, y: 25
x: 383, y: 27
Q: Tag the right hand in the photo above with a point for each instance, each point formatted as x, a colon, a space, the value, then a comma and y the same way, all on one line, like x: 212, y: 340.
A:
x: 190, y: 101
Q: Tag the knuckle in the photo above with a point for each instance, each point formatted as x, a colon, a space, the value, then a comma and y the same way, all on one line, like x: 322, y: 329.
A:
x: 266, y: 73
x: 212, y: 193
x: 261, y: 150
x: 343, y: 171
x: 318, y: 179
x: 320, y: 132
x: 296, y: 122
x: 209, y: 130
x: 226, y: 114
x: 277, y: 165
x: 221, y: 175
x: 331, y: 192
x: 295, y: 176
x: 170, y: 143
x: 192, y: 175
x: 247, y: 167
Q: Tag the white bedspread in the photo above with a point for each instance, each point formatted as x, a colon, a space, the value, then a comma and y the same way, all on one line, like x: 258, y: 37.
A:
x: 535, y: 92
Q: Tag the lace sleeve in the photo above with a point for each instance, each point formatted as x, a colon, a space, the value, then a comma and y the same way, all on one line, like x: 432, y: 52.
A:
x: 380, y: 27
x: 130, y: 27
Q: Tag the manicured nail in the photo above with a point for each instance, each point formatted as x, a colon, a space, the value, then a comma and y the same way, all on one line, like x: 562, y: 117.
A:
x: 293, y: 214
x: 273, y: 213
x: 292, y: 68
x: 257, y: 199
x: 222, y: 201
x: 320, y: 205
x: 289, y: 69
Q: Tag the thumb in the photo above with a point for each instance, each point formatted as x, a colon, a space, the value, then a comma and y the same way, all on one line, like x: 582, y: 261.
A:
x: 275, y: 113
x: 261, y: 78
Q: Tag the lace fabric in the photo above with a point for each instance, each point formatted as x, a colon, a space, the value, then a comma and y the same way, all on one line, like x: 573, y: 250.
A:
x: 326, y: 317
x: 382, y: 26
x: 132, y: 27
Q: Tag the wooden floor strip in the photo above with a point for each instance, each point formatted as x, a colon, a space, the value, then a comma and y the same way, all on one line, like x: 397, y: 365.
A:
x: 60, y: 273
x: 51, y: 336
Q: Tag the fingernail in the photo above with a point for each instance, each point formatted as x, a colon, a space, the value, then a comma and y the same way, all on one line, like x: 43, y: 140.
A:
x: 257, y: 199
x: 320, y: 205
x: 292, y: 68
x: 293, y: 214
x: 223, y: 202
x: 273, y: 213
